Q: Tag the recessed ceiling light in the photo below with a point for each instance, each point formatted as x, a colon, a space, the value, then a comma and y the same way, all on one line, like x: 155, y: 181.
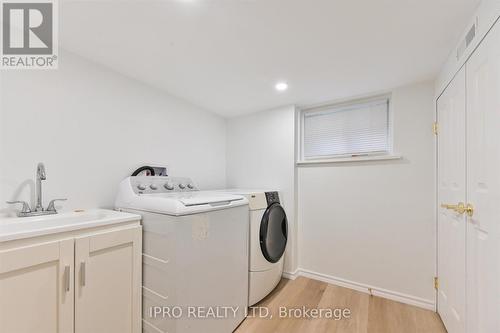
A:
x: 281, y: 86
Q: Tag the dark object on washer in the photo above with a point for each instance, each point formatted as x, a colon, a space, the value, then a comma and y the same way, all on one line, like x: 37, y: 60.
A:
x: 144, y: 168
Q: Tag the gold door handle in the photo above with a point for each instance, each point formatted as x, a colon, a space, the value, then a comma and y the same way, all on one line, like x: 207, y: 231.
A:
x: 469, y: 209
x: 459, y: 208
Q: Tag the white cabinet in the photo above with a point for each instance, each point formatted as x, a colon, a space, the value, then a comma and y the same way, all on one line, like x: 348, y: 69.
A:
x: 107, y: 296
x: 36, y: 288
x: 87, y: 281
x: 469, y: 173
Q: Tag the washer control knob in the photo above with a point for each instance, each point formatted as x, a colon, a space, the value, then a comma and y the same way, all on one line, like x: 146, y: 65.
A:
x: 141, y: 187
x: 153, y: 187
x: 168, y: 186
x: 182, y: 186
x: 190, y: 186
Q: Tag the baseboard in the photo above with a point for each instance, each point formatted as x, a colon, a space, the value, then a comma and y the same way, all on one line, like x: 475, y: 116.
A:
x: 291, y: 275
x: 375, y: 291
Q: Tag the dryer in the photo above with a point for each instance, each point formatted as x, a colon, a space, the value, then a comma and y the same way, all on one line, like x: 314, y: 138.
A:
x: 267, y: 242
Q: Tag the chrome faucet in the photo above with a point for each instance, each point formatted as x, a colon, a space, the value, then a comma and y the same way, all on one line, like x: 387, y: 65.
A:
x: 40, y: 175
x: 26, y: 210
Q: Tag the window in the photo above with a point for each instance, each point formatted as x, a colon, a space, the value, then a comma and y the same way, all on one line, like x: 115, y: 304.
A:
x: 354, y: 129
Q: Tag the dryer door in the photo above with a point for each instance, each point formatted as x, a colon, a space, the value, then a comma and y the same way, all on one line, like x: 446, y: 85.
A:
x: 273, y: 233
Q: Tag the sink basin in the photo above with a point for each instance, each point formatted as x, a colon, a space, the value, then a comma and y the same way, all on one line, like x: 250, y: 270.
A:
x: 24, y: 227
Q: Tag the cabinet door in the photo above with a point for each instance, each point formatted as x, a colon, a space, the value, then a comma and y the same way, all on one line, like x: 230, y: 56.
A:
x: 36, y: 288
x: 108, y: 282
x: 452, y: 190
x: 483, y: 183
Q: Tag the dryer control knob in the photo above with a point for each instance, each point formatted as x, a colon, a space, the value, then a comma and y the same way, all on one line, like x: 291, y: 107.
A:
x: 182, y: 186
x: 169, y: 186
x: 153, y: 187
x: 141, y: 187
x: 190, y: 186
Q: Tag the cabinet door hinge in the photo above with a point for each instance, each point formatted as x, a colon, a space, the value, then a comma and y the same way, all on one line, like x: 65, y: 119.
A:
x: 436, y: 283
x: 435, y: 128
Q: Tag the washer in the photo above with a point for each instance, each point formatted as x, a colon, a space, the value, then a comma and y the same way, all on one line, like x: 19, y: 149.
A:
x: 268, y: 239
x: 195, y: 254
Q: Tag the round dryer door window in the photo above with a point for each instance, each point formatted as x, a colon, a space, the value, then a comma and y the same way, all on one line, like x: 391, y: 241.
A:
x: 273, y: 233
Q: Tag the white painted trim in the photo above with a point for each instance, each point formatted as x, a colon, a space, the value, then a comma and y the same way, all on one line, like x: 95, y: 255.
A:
x: 352, y: 159
x: 291, y: 275
x: 436, y: 209
x: 375, y: 291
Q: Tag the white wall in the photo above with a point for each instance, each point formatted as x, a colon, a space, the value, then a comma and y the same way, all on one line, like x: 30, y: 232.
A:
x: 261, y: 154
x: 93, y: 127
x: 373, y: 223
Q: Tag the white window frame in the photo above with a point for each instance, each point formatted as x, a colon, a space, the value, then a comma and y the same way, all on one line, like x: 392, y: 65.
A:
x: 374, y: 156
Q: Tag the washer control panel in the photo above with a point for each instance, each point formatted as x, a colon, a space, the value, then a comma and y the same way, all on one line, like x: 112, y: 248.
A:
x: 272, y: 197
x: 160, y: 184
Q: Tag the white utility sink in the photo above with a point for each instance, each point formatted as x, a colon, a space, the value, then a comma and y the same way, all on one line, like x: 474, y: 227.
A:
x: 23, y: 227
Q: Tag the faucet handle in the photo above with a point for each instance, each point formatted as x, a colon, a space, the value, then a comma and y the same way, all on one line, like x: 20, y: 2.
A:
x: 51, y: 207
x: 26, y: 207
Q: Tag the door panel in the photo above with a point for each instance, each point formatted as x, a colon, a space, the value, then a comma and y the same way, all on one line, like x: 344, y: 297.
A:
x: 452, y: 190
x: 483, y: 183
x: 36, y: 282
x: 108, y: 282
x: 273, y: 233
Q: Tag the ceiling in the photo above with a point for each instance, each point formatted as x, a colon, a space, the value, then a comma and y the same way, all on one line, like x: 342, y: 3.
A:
x: 227, y: 55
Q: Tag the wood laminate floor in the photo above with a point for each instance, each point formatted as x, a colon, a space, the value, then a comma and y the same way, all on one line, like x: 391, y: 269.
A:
x: 369, y: 314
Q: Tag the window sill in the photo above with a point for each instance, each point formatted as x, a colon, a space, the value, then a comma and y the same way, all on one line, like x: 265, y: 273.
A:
x: 351, y: 159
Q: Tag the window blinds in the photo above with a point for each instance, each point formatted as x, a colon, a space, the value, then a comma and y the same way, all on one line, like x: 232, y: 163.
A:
x: 355, y: 129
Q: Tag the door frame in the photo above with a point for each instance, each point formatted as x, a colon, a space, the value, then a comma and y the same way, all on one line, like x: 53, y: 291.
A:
x: 436, y: 198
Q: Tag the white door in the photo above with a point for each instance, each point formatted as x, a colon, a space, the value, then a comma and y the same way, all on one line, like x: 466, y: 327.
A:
x: 108, y: 282
x: 483, y: 183
x: 36, y: 288
x: 452, y: 191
